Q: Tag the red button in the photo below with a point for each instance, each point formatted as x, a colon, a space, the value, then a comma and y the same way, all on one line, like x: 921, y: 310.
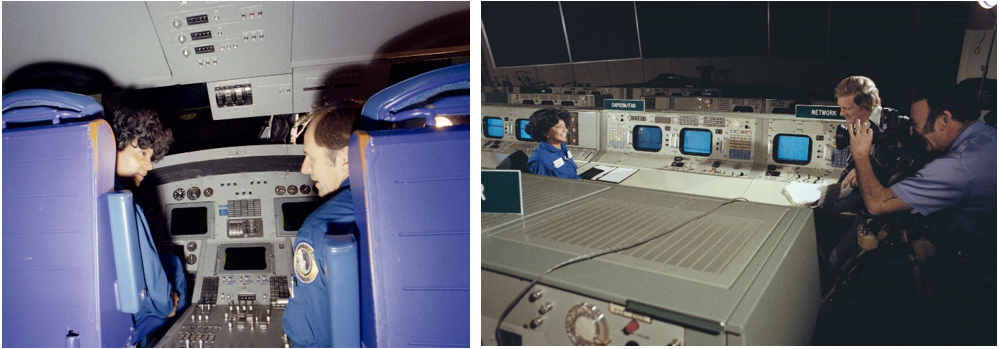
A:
x: 631, y: 327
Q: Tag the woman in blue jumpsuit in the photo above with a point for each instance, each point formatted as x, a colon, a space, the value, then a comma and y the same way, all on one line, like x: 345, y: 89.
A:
x: 142, y: 140
x: 552, y: 157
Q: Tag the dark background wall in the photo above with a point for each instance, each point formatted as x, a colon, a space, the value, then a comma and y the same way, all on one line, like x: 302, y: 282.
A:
x: 803, y: 46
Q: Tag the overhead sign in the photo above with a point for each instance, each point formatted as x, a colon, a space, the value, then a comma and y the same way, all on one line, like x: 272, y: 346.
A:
x: 818, y: 112
x: 501, y: 192
x: 624, y: 104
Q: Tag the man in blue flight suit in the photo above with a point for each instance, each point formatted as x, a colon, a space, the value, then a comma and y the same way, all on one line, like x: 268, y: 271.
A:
x: 307, y: 319
x: 551, y: 158
x: 141, y: 141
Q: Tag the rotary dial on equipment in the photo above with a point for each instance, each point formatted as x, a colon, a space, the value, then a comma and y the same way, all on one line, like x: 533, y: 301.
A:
x: 585, y: 324
x: 178, y: 194
x: 194, y: 193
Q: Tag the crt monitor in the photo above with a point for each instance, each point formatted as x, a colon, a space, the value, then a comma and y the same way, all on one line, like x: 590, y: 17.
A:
x: 244, y: 258
x: 522, y: 130
x: 695, y: 141
x: 292, y: 213
x: 492, y: 127
x: 647, y: 138
x: 189, y: 220
x: 792, y: 149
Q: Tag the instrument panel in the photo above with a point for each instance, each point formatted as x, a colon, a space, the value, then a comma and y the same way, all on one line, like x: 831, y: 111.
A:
x: 503, y: 133
x: 234, y: 212
x: 758, y: 153
x: 716, y: 144
x: 803, y: 150
x: 564, y: 100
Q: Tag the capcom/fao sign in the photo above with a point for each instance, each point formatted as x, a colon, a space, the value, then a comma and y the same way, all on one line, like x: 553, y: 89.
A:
x: 500, y: 192
x: 624, y: 104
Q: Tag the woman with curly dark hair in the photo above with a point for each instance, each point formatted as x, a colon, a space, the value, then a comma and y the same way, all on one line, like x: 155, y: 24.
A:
x: 552, y: 157
x: 141, y: 141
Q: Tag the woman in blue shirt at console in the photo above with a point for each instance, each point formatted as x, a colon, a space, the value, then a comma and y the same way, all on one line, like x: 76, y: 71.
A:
x: 552, y: 157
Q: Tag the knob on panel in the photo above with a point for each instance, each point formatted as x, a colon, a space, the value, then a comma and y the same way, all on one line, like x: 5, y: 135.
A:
x: 585, y: 324
x: 194, y: 193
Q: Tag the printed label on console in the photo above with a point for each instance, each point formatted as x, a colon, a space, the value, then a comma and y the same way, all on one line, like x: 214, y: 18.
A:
x: 619, y: 310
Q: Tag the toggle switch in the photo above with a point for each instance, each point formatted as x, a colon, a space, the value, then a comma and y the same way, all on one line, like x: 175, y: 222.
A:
x: 536, y: 295
x: 545, y: 308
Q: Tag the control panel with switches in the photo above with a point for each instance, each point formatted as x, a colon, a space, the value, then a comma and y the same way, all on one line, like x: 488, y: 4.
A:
x: 234, y: 214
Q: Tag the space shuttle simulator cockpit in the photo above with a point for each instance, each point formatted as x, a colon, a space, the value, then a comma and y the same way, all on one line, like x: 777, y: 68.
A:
x: 237, y: 83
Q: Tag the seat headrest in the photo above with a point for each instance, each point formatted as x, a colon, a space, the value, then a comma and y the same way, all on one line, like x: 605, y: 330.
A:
x: 387, y: 104
x: 43, y: 105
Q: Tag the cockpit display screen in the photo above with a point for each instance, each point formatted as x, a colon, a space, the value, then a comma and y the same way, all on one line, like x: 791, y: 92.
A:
x: 245, y: 258
x: 492, y: 127
x: 792, y: 149
x: 695, y: 141
x: 189, y: 221
x: 293, y: 214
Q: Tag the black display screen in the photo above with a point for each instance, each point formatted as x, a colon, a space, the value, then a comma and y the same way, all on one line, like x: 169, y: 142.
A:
x: 293, y: 214
x: 189, y: 221
x: 245, y: 258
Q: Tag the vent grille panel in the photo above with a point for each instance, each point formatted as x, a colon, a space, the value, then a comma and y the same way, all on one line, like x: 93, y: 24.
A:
x: 714, y: 249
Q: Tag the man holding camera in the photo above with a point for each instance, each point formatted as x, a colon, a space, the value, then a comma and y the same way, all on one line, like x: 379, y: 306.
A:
x: 957, y: 189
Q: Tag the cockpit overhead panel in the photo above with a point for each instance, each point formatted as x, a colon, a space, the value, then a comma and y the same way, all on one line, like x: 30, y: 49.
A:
x: 211, y: 41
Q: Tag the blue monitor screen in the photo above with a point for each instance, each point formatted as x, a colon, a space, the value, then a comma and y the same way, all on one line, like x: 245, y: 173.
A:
x: 648, y: 138
x: 522, y: 130
x: 792, y: 149
x: 492, y: 127
x: 695, y: 142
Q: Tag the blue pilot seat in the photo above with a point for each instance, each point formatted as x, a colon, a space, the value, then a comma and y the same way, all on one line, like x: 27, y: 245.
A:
x: 411, y: 200
x: 341, y: 258
x: 68, y: 279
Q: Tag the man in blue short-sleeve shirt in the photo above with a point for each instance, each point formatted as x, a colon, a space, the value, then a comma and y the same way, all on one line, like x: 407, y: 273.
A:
x: 958, y: 188
x: 552, y: 157
x: 307, y: 318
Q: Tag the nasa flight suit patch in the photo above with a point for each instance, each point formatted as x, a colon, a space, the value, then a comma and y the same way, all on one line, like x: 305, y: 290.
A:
x: 305, y: 263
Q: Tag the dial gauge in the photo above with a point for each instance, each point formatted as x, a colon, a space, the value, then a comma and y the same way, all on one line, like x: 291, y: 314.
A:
x: 585, y: 324
x: 194, y: 193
